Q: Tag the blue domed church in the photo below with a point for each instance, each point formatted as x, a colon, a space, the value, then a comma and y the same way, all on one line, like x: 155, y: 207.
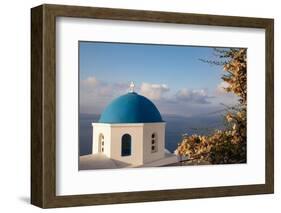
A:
x: 131, y: 133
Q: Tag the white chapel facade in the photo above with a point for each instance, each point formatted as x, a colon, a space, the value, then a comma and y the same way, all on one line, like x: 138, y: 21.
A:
x: 131, y: 131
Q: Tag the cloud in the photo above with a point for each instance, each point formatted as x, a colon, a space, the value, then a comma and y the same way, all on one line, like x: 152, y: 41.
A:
x: 220, y: 90
x: 90, y: 81
x: 96, y: 94
x: 96, y: 87
x: 222, y: 96
x: 154, y: 91
x: 193, y: 96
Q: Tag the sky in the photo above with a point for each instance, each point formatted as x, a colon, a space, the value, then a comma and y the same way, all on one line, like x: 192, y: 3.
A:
x: 172, y: 77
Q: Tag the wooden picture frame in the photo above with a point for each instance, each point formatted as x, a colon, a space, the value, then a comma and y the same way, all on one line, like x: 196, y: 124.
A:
x: 43, y: 105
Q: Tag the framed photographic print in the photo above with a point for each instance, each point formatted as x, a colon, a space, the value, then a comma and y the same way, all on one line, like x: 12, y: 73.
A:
x: 136, y: 106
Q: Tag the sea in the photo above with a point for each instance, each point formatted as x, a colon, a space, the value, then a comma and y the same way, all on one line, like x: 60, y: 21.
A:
x: 176, y: 127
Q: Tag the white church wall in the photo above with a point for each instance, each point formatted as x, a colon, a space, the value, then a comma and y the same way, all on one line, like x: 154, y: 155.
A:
x: 141, y: 152
x: 148, y: 130
x: 99, y: 128
x: 136, y: 132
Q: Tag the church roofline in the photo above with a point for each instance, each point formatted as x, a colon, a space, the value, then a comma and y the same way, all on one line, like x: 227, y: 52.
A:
x: 127, y: 124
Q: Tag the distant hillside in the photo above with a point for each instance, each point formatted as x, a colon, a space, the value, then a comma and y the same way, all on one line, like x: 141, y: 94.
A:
x: 176, y: 126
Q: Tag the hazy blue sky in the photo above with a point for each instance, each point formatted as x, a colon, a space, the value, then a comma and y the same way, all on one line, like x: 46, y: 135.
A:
x: 173, y: 77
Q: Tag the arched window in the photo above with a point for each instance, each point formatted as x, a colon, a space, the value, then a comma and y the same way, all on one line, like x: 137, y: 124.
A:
x: 101, y: 142
x: 126, y: 145
x: 154, y: 143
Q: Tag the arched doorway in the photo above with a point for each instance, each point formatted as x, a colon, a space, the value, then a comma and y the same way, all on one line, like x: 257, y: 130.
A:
x: 126, y: 145
x: 101, y: 142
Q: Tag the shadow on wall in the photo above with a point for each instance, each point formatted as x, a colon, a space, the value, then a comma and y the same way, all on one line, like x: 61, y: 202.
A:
x: 24, y: 199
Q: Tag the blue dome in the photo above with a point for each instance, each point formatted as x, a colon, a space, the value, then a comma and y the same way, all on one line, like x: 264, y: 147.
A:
x: 131, y: 108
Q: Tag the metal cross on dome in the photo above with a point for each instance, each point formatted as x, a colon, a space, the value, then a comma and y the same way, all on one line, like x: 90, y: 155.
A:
x: 132, y: 87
